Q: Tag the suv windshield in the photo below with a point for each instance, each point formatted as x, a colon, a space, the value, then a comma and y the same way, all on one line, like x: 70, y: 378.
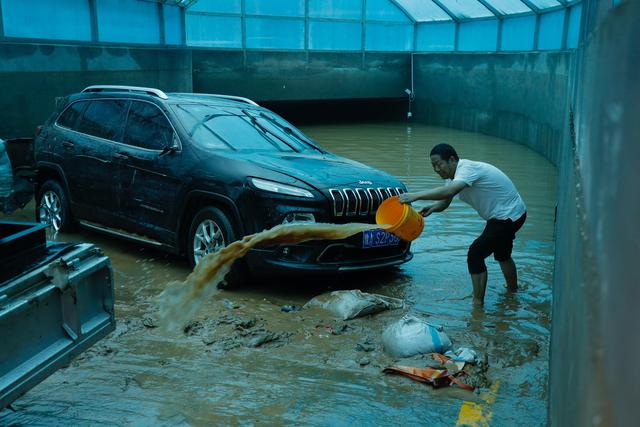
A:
x: 213, y: 127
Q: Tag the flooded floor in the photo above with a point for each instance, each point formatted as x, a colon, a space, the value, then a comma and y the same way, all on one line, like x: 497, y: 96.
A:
x: 245, y: 361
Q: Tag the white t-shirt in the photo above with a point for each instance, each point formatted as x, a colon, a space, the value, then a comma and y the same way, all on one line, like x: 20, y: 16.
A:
x: 489, y: 191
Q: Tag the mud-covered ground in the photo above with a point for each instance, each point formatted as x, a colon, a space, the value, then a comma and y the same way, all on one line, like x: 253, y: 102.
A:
x: 252, y: 356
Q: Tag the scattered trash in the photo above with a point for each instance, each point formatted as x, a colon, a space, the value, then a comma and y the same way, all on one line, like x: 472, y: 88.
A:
x: 208, y: 339
x: 434, y: 376
x: 364, y: 361
x: 246, y: 324
x: 261, y: 337
x: 150, y: 322
x: 354, y: 303
x: 337, y: 329
x: 340, y: 328
x: 463, y: 354
x: 230, y: 304
x: 192, y: 328
x: 289, y: 308
x: 410, y: 336
x: 365, y: 345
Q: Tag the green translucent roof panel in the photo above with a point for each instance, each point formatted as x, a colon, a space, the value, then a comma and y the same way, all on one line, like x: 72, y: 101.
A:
x: 424, y: 10
x: 545, y: 4
x: 508, y: 7
x: 466, y: 8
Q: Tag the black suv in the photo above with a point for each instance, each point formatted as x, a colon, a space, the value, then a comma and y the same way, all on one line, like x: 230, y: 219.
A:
x: 190, y: 173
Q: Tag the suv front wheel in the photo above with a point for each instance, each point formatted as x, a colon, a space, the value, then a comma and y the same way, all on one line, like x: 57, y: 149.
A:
x: 53, y: 207
x: 211, y: 231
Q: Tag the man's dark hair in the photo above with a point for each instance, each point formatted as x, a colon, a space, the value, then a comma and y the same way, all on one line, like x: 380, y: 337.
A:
x: 445, y: 151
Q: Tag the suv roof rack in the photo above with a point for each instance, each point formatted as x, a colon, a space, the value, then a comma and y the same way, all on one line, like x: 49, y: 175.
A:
x: 114, y: 88
x: 214, y: 95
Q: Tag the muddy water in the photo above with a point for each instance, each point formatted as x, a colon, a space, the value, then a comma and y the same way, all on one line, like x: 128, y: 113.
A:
x: 244, y: 361
x: 181, y: 301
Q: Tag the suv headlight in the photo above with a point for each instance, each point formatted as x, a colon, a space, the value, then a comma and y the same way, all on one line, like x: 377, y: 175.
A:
x: 276, y: 187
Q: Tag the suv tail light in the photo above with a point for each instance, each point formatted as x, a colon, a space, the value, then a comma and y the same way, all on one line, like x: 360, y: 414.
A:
x: 38, y: 130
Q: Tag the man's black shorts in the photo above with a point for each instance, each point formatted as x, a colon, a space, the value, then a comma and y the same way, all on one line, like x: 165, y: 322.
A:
x: 497, y: 239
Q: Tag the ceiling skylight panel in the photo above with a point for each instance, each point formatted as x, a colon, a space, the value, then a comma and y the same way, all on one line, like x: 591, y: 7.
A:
x: 424, y: 10
x: 509, y: 7
x: 545, y: 4
x: 467, y: 8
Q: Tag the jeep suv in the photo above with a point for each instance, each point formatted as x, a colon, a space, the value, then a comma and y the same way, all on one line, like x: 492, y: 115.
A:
x: 190, y: 173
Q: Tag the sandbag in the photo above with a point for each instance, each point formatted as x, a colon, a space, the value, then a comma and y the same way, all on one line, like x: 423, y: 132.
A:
x: 354, y: 303
x: 410, y: 336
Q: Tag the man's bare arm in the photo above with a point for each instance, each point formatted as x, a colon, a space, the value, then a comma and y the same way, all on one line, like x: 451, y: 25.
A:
x: 443, y: 192
x: 436, y: 207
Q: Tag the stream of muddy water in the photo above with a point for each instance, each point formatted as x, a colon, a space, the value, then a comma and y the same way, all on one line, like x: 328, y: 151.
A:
x: 243, y: 360
x: 180, y: 301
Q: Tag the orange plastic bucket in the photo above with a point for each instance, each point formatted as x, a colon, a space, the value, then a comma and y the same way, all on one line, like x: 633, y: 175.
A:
x: 404, y: 221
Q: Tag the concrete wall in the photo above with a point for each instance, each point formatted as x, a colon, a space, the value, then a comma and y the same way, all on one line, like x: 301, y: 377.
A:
x: 517, y: 96
x: 32, y: 75
x: 296, y: 76
x: 595, y: 340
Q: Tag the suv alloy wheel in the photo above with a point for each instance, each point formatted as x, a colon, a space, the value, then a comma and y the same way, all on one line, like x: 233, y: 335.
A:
x: 53, y: 207
x: 211, y: 231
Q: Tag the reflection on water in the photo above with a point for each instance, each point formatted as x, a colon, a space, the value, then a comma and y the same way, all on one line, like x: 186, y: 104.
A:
x: 305, y: 375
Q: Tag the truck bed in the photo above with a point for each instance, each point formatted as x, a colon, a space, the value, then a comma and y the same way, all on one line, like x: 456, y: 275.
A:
x: 56, y: 300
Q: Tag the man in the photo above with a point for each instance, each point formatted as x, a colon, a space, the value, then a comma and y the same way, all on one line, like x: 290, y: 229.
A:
x: 492, y: 194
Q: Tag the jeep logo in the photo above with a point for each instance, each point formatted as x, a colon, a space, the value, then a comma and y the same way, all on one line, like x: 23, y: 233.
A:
x: 362, y: 182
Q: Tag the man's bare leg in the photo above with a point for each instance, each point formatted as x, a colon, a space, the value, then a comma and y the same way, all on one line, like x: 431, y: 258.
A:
x: 479, y: 282
x: 510, y: 273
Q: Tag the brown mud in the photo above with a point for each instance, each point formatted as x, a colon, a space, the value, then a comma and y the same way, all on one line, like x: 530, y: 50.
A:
x: 242, y: 360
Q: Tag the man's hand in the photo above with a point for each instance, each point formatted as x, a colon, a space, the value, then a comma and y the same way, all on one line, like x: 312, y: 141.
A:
x: 428, y: 210
x: 407, y: 198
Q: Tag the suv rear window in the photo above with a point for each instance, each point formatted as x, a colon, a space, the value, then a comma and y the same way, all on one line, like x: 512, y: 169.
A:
x: 147, y: 127
x: 104, y: 118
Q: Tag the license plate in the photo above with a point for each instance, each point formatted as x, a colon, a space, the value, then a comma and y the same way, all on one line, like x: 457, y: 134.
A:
x: 378, y: 238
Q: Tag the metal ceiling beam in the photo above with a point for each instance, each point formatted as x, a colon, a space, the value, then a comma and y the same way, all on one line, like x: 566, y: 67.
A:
x: 93, y: 18
x: 446, y: 10
x: 405, y: 11
x: 531, y: 6
x: 492, y: 9
x: 499, y: 16
x: 455, y: 20
x: 1, y: 23
x: 181, y: 3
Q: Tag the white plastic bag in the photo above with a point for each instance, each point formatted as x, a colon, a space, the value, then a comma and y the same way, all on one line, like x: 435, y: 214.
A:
x: 351, y: 304
x: 463, y: 354
x: 410, y: 336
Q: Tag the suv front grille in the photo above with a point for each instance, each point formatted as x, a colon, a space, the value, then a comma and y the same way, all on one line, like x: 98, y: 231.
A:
x: 359, y: 201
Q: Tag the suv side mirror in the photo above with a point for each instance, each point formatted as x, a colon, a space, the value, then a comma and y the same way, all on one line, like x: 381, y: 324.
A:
x: 173, y: 147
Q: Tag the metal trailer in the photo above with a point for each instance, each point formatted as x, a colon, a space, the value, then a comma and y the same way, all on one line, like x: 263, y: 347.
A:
x: 56, y: 300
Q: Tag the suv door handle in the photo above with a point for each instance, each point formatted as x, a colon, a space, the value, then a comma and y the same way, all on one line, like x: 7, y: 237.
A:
x: 120, y: 156
x: 67, y: 144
